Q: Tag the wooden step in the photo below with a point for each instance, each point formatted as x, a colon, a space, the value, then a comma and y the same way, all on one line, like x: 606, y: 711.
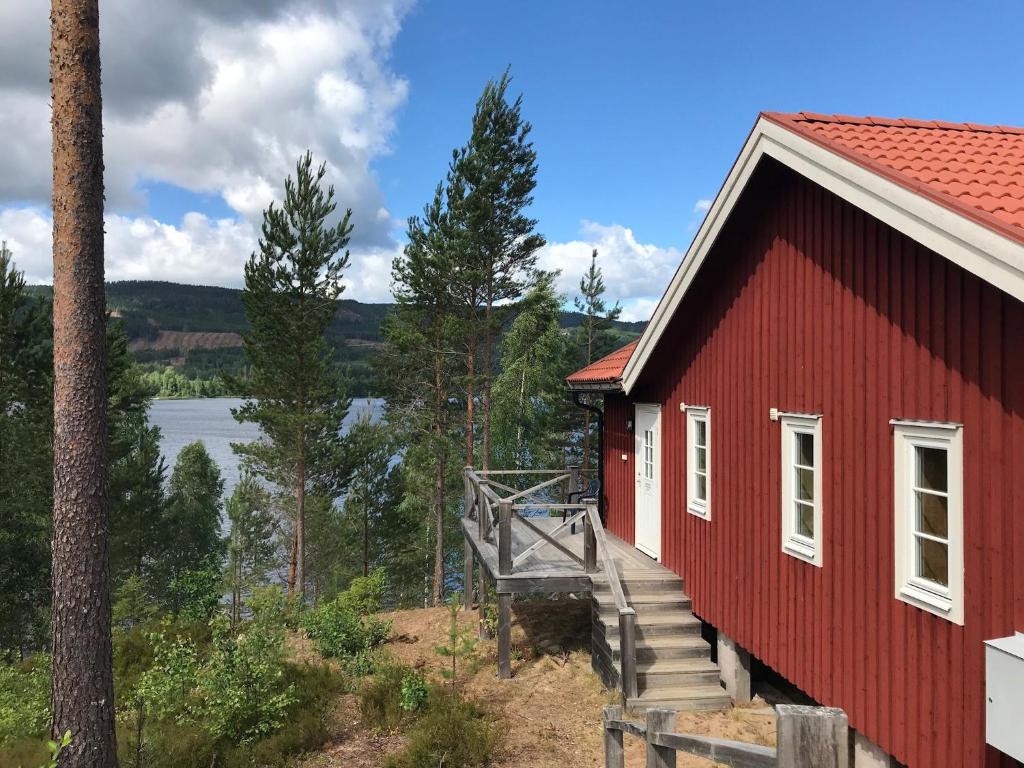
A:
x: 648, y: 584
x: 656, y: 624
x: 680, y: 698
x: 668, y: 673
x: 655, y: 648
x: 679, y: 601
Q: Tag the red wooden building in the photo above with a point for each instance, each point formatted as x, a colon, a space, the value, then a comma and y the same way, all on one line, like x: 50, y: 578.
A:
x: 822, y: 428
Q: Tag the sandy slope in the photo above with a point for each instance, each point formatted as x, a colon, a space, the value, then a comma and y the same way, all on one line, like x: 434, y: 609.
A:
x: 548, y: 714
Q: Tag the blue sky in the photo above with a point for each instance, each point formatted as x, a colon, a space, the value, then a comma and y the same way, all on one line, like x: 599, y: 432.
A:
x: 638, y: 112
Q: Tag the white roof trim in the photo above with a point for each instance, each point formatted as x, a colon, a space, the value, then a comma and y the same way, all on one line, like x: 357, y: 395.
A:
x: 974, y: 247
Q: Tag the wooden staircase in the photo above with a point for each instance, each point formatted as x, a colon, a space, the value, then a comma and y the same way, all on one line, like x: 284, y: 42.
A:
x: 673, y: 662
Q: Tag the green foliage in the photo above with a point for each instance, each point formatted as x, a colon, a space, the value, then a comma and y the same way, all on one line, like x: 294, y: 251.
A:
x: 56, y: 747
x: 342, y: 628
x: 25, y: 699
x: 380, y: 697
x: 413, y: 696
x: 461, y: 644
x: 451, y: 732
x: 251, y: 547
x: 531, y: 413
x: 26, y: 477
x: 242, y: 685
x: 238, y: 692
x: 172, y: 383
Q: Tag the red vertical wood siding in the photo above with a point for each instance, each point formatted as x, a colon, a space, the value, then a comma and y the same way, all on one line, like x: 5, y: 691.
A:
x: 810, y: 305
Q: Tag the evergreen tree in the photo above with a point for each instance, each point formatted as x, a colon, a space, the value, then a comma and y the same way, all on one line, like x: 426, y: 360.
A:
x: 530, y: 406
x: 138, y: 525
x: 490, y: 186
x: 295, y: 391
x: 196, y: 548
x: 594, y: 337
x: 26, y: 413
x: 251, y: 546
x: 418, y: 366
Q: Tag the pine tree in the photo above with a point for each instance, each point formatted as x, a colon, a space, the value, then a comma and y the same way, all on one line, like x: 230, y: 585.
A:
x: 26, y: 463
x: 490, y: 185
x: 194, y: 507
x: 418, y: 366
x: 595, y: 341
x: 529, y: 393
x: 251, y: 546
x: 295, y: 392
x: 83, y: 682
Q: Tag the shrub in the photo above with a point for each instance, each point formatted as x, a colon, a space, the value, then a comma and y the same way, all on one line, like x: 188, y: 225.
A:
x: 414, y: 691
x: 451, y: 732
x: 341, y: 628
x: 380, y: 698
x: 25, y: 699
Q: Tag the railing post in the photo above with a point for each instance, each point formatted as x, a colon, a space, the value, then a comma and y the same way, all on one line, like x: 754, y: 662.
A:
x: 660, y: 721
x: 589, y: 538
x: 483, y: 512
x: 467, y: 579
x: 627, y: 653
x: 614, y: 755
x: 504, y: 537
x: 812, y: 737
x: 467, y: 490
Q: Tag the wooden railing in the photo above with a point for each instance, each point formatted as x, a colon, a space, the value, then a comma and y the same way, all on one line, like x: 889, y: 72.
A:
x: 595, y: 544
x: 493, y: 514
x: 807, y: 737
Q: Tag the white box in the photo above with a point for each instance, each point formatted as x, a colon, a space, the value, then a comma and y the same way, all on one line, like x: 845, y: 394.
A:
x: 1004, y: 695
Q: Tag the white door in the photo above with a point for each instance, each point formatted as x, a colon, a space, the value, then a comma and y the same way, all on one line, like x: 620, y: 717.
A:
x: 647, y: 437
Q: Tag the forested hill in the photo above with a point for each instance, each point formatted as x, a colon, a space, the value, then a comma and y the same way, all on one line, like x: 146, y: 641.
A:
x: 195, y: 330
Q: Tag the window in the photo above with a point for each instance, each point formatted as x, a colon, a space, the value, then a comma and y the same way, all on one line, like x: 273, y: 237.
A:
x: 801, y: 487
x: 698, y: 461
x: 648, y: 454
x: 928, y: 493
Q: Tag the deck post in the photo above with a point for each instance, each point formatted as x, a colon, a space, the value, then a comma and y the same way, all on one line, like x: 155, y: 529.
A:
x: 467, y: 579
x: 504, y: 537
x: 504, y: 635
x: 467, y: 492
x: 614, y: 755
x: 589, y: 538
x: 481, y: 600
x: 660, y: 721
x: 812, y: 737
x: 627, y: 653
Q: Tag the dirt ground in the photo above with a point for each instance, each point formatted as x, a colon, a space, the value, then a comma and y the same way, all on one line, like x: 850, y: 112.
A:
x: 549, y: 713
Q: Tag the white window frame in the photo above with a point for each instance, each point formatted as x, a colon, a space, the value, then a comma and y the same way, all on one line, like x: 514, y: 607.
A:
x: 947, y: 602
x: 699, y: 507
x: 794, y: 544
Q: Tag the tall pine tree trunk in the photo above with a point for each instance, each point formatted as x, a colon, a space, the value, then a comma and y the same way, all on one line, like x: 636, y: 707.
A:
x: 300, y: 521
x: 440, y: 402
x: 471, y: 345
x: 83, y: 686
x: 485, y: 388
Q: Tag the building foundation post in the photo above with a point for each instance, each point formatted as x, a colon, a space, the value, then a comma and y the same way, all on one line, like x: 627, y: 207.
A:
x: 867, y: 754
x: 734, y: 669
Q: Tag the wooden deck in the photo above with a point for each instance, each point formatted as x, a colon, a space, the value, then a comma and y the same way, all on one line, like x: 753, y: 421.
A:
x: 547, y: 569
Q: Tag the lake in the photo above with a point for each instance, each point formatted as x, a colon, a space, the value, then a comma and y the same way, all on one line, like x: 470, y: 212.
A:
x: 184, y: 421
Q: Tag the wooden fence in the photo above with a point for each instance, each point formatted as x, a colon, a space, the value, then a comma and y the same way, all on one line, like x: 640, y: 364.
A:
x: 807, y: 737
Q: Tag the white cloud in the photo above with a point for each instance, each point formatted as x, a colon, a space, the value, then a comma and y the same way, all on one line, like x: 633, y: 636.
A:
x: 702, y: 206
x: 638, y: 309
x: 218, y: 96
x: 201, y: 251
x: 632, y: 270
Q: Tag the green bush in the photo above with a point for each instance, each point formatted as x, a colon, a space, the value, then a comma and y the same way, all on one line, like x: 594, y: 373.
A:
x: 451, y: 732
x: 414, y: 691
x: 25, y: 699
x: 342, y: 628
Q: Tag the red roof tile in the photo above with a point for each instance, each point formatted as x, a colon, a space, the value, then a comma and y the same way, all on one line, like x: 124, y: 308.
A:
x: 975, y: 170
x: 607, y: 370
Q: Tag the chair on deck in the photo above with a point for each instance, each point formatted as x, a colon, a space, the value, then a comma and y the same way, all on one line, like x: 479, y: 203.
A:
x: 591, y: 491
